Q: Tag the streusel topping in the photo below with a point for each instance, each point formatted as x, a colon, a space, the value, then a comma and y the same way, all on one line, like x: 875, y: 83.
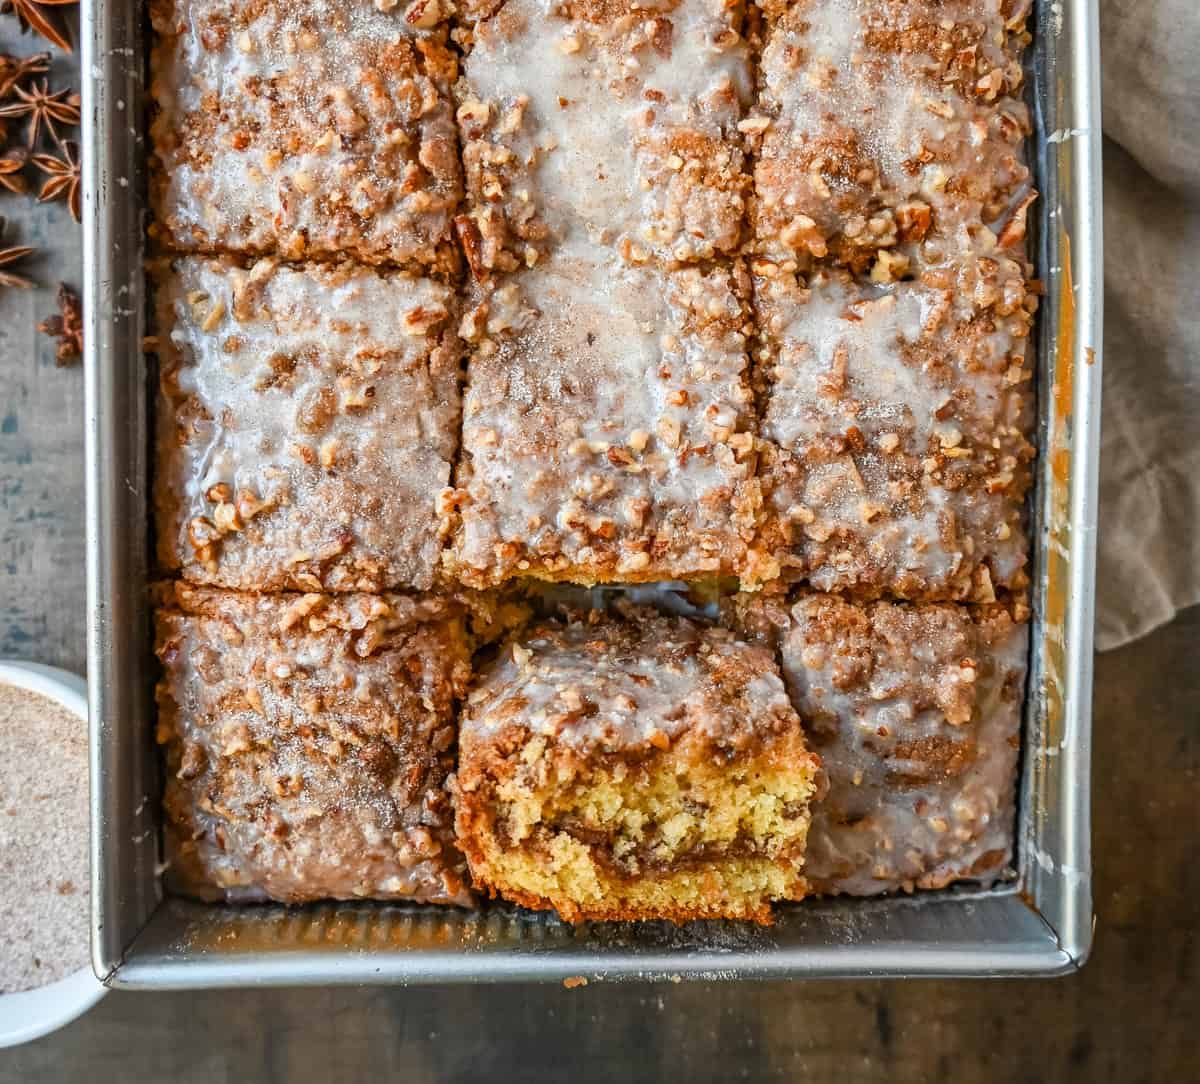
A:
x: 308, y: 739
x: 882, y: 124
x: 606, y: 429
x: 309, y: 418
x: 615, y: 122
x: 916, y: 714
x: 895, y: 451
x: 305, y: 128
x: 595, y: 685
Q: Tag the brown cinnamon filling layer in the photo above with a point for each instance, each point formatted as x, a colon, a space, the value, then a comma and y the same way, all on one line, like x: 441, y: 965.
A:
x: 646, y: 858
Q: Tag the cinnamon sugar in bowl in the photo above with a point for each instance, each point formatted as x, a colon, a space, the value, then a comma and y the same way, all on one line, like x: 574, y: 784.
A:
x: 45, y: 976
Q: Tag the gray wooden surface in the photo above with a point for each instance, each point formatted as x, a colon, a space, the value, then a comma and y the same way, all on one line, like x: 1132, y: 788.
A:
x: 41, y: 428
x: 1133, y: 1015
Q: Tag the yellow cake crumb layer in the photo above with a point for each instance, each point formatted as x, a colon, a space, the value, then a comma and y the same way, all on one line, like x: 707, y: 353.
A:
x: 679, y: 841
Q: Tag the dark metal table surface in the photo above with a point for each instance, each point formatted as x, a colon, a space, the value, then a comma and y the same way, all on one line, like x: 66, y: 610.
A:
x: 1133, y: 1014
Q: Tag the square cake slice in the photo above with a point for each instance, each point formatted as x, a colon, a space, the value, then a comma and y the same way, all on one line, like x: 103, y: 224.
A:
x: 613, y: 121
x: 889, y: 131
x: 307, y: 742
x: 607, y: 433
x: 896, y: 424
x: 307, y: 423
x: 634, y: 767
x: 306, y: 129
x: 915, y: 711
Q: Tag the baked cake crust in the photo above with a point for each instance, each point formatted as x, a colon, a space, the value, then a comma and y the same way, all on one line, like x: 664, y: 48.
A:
x: 308, y: 419
x: 607, y: 430
x: 633, y: 767
x: 607, y: 120
x: 895, y: 453
x: 307, y: 741
x: 888, y: 131
x: 305, y: 129
x: 915, y: 711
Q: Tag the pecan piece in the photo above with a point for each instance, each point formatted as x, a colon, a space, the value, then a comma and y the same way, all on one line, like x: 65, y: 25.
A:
x: 472, y: 245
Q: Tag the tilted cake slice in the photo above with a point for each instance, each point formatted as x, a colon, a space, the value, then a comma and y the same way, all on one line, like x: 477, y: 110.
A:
x: 634, y: 767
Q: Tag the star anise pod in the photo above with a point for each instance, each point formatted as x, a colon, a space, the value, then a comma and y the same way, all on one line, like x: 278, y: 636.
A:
x: 66, y: 327
x: 62, y: 177
x: 42, y: 107
x: 32, y: 17
x: 10, y: 256
x: 14, y: 69
x: 12, y: 161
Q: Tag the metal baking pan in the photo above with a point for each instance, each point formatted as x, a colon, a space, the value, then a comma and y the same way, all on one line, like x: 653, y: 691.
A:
x: 1039, y: 923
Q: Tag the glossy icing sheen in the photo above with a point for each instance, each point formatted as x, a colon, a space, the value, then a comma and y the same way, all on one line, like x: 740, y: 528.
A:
x: 304, y: 128
x: 887, y: 123
x: 915, y: 712
x: 615, y: 122
x: 596, y: 685
x: 309, y: 418
x: 896, y: 418
x: 307, y: 741
x: 606, y: 426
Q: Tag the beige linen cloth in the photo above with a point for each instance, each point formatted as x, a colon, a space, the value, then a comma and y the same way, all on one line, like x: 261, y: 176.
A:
x: 1149, y: 537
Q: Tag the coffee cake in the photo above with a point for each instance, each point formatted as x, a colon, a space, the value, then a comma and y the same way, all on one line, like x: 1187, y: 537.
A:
x: 305, y: 129
x: 605, y: 119
x: 895, y: 427
x: 631, y: 767
x: 915, y: 711
x: 888, y: 133
x: 607, y: 427
x: 307, y: 741
x: 308, y: 418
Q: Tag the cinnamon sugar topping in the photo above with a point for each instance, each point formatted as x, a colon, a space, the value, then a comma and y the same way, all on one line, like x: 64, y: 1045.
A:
x: 309, y: 418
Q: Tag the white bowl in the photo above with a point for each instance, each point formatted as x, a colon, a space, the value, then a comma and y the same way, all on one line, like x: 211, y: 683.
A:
x: 31, y: 1014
